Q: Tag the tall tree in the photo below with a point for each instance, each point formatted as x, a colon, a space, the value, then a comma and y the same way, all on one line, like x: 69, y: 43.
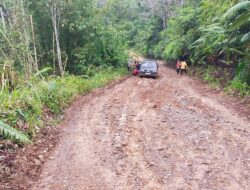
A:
x: 162, y: 8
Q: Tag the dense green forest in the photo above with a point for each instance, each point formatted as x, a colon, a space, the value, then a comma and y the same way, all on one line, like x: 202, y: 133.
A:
x: 52, y: 50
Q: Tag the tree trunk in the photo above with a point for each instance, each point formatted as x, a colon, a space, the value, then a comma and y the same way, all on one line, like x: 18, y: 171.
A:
x: 54, y: 58
x: 3, y: 79
x: 26, y: 36
x: 59, y: 54
x: 164, y: 23
x: 2, y: 18
x: 182, y: 3
x: 34, y: 44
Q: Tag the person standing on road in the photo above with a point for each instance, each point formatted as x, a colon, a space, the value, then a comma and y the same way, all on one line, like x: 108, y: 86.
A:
x: 183, y: 67
x: 138, y: 66
x: 178, y: 67
x: 129, y: 65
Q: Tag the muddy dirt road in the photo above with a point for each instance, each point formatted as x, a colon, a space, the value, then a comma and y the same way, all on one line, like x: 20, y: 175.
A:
x: 146, y: 134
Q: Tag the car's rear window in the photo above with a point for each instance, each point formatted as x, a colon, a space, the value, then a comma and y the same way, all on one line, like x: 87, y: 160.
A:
x: 148, y: 65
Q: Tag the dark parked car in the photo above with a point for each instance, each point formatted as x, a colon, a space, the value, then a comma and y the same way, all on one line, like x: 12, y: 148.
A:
x: 149, y: 68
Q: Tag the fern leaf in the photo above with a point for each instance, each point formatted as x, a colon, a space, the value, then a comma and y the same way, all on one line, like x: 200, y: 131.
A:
x: 241, y: 20
x: 237, y: 9
x: 20, y: 112
x: 236, y: 51
x: 246, y: 38
x: 12, y: 133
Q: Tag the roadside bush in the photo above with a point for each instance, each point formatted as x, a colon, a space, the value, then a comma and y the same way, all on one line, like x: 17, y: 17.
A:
x: 22, y: 111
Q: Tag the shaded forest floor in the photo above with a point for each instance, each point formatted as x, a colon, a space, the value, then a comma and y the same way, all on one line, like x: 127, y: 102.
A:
x: 169, y: 133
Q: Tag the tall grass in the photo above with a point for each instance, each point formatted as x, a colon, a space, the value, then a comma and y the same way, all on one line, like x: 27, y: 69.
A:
x: 22, y: 111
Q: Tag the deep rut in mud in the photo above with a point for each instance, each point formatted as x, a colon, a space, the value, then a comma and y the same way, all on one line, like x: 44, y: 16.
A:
x: 150, y: 134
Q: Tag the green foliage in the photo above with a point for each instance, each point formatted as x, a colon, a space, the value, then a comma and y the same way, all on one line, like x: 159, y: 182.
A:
x: 206, y: 33
x: 106, y: 48
x: 211, y: 41
x: 243, y: 72
x: 9, y: 132
x: 42, y: 72
x: 202, y: 31
x: 240, y: 21
x: 238, y: 87
x: 85, y: 38
x: 237, y: 10
x: 91, y: 48
x: 220, y: 78
x: 29, y: 104
x: 180, y: 34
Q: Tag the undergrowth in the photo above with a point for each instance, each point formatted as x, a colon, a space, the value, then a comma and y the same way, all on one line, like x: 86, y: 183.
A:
x: 22, y: 112
x: 237, y: 87
x: 222, y: 78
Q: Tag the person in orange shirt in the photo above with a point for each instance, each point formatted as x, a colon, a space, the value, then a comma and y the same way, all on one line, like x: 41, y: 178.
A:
x: 183, y: 67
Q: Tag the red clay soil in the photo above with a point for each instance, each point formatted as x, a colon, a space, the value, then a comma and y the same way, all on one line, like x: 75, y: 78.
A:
x: 169, y: 133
